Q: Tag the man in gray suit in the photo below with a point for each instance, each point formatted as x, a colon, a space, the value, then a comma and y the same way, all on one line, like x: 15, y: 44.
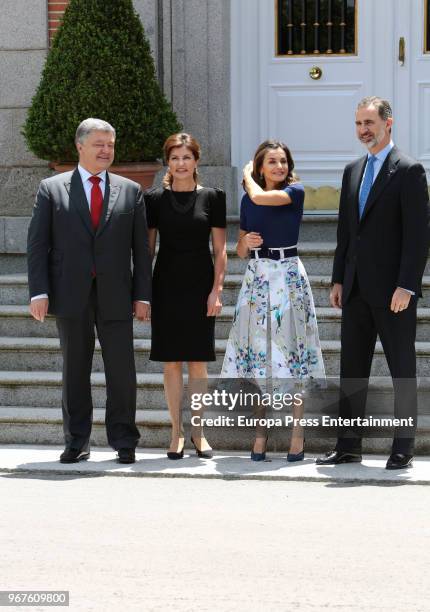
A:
x: 86, y: 226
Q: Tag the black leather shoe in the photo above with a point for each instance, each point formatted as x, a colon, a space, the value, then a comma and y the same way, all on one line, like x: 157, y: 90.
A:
x: 335, y: 457
x: 72, y: 455
x: 126, y: 455
x: 397, y: 461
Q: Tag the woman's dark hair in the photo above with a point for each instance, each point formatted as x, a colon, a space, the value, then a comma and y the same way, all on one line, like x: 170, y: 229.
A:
x: 262, y: 150
x: 180, y: 140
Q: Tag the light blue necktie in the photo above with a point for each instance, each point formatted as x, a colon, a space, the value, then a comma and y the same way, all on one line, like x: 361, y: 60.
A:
x: 367, y: 185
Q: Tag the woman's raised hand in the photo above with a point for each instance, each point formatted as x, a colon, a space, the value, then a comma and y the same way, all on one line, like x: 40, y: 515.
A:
x: 247, y: 170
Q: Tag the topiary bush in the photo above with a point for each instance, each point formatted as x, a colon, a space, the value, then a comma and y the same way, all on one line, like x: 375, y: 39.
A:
x: 100, y: 65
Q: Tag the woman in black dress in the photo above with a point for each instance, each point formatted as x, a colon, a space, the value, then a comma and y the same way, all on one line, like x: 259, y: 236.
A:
x: 187, y: 284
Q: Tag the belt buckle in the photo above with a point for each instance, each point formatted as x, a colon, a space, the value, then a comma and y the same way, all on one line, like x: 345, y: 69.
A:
x: 275, y: 253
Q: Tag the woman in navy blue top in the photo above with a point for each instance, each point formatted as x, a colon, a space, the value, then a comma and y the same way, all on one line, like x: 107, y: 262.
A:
x: 274, y: 333
x: 278, y: 225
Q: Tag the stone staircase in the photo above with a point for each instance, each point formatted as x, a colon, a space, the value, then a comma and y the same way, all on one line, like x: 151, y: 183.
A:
x: 30, y: 358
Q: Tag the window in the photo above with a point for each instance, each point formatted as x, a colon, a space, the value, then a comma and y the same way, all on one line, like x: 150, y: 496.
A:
x: 316, y: 27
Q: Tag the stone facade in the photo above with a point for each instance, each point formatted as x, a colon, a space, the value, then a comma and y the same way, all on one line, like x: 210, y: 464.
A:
x: 190, y: 40
x: 190, y: 43
x: 23, y: 48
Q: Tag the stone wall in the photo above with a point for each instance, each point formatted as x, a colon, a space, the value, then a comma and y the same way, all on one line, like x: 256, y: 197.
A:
x: 23, y: 48
x: 194, y: 65
x: 190, y: 40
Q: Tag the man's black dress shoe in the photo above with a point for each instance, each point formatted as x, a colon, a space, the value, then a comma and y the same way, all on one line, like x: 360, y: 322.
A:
x: 396, y: 461
x: 126, y: 455
x: 335, y: 457
x: 72, y: 455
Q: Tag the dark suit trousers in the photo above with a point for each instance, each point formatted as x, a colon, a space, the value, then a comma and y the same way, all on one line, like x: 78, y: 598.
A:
x: 77, y: 339
x: 361, y: 323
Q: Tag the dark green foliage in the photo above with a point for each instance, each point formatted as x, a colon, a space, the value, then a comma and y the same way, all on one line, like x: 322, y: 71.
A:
x: 100, y: 65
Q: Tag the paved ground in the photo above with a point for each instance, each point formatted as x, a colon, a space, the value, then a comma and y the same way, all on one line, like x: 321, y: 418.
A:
x: 234, y: 465
x: 215, y: 544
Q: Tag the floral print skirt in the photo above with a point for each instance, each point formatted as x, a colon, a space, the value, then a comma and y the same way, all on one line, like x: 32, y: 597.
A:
x: 274, y: 332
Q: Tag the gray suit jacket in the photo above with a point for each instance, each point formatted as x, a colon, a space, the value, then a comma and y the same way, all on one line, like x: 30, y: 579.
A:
x: 64, y: 250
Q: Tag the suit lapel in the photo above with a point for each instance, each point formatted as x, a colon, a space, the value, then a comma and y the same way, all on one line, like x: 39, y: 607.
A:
x: 357, y: 172
x: 78, y: 199
x: 385, y: 174
x: 111, y: 196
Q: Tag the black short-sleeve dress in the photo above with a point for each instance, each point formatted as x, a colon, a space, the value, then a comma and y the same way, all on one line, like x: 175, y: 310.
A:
x: 184, y: 272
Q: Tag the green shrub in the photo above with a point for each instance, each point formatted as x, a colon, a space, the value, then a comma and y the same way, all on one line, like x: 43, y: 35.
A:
x: 100, y: 65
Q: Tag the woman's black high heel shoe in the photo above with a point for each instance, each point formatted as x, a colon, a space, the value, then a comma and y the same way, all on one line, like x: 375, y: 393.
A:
x: 176, y: 455
x: 259, y: 456
x: 207, y: 454
x: 297, y: 456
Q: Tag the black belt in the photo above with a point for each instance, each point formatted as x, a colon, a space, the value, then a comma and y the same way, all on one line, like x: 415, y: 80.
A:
x: 276, y: 255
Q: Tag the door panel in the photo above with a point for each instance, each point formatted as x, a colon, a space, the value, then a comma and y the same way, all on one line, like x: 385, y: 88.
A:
x: 418, y: 117
x: 293, y: 119
x: 275, y: 96
x: 316, y: 117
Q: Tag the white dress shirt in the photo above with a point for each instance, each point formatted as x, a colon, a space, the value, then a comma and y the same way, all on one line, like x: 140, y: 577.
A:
x: 377, y: 164
x: 85, y: 176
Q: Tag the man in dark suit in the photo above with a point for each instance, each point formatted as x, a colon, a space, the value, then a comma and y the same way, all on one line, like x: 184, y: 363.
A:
x: 86, y: 227
x: 381, y: 253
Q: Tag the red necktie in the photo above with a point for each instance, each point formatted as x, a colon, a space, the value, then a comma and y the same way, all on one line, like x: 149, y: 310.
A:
x: 96, y: 201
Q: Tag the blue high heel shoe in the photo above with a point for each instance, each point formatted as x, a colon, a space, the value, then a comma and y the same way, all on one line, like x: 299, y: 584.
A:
x: 258, y: 456
x: 297, y: 456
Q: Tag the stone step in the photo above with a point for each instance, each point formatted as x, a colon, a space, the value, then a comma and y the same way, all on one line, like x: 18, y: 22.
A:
x: 42, y: 388
x: 16, y: 321
x: 29, y: 425
x: 314, y: 227
x: 320, y: 284
x: 14, y: 289
x: 317, y: 257
x: 11, y: 263
x: 30, y: 354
